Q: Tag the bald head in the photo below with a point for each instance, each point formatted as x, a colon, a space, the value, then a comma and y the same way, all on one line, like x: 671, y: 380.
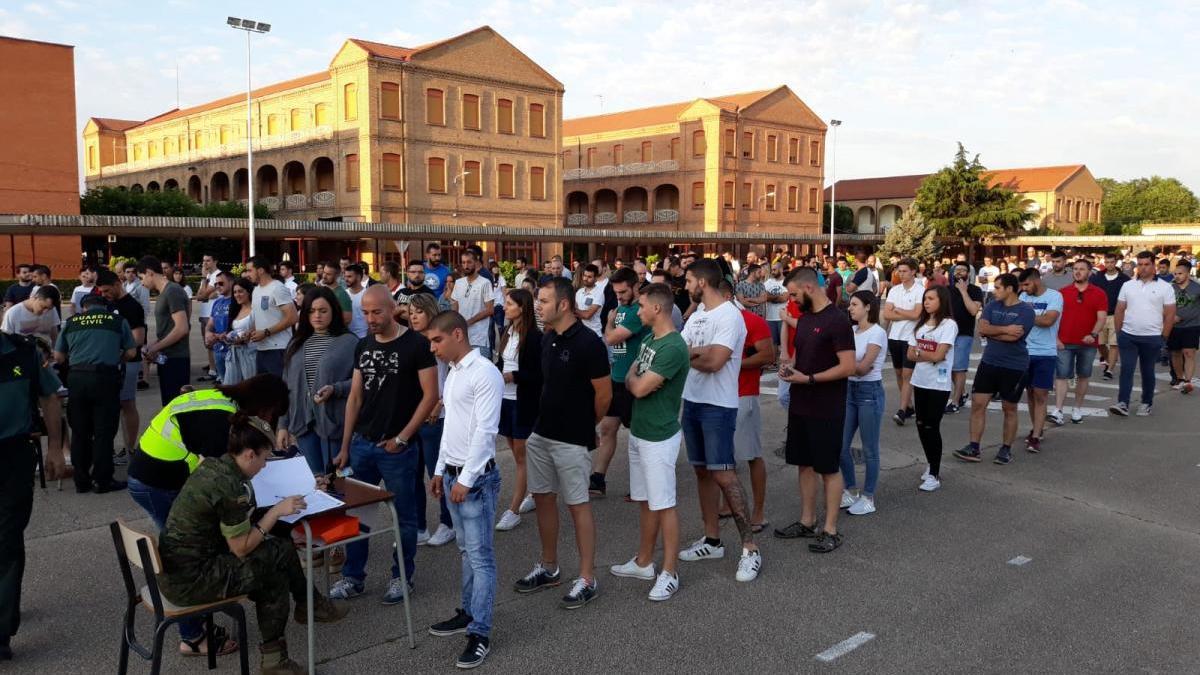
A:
x: 379, y: 310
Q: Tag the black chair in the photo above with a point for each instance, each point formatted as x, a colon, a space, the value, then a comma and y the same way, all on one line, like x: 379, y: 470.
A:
x: 140, y: 550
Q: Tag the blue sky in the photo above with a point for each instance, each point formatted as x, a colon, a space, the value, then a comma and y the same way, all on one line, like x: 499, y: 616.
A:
x: 1109, y: 84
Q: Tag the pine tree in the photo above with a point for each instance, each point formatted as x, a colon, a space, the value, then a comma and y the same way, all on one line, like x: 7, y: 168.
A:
x: 910, y: 237
x: 959, y: 202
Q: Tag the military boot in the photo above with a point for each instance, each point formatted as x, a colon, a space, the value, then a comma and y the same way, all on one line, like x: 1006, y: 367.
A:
x: 324, y: 610
x: 275, y: 660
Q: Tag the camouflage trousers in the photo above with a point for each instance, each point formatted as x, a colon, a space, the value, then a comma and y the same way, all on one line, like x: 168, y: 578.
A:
x: 269, y: 575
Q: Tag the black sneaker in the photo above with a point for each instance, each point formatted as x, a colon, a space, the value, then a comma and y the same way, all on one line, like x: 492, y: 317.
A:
x: 596, y: 485
x: 452, y: 626
x: 1108, y: 374
x: 967, y: 453
x: 951, y: 408
x: 475, y: 652
x: 538, y: 579
x: 900, y: 417
x: 1004, y: 455
x: 120, y: 457
x: 581, y: 593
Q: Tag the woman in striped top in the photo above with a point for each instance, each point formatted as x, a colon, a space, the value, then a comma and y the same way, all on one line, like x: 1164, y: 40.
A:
x: 317, y: 367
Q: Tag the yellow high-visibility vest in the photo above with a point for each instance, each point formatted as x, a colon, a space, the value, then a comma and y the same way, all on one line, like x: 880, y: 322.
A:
x: 162, y: 439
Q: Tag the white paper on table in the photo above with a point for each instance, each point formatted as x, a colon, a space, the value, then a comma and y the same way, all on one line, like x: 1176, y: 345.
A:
x: 284, y: 478
x: 315, y: 502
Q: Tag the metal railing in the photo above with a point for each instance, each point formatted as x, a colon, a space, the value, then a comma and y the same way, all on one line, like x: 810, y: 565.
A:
x: 633, y: 169
x: 232, y: 149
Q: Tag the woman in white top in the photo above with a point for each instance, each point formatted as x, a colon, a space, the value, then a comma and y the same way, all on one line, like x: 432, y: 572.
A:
x: 865, y: 401
x: 239, y: 360
x: 520, y: 362
x: 931, y: 347
x: 422, y: 307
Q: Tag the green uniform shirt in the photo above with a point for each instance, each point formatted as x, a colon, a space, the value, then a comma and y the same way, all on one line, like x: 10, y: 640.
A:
x: 97, y: 337
x: 215, y: 504
x: 625, y: 352
x: 656, y: 417
x: 17, y: 367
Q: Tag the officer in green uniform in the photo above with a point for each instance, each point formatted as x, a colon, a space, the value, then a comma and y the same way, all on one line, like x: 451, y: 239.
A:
x: 24, y: 380
x: 94, y: 344
x: 216, y: 544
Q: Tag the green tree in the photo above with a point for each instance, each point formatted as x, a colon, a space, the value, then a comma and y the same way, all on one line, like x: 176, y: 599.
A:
x: 959, y: 202
x: 845, y: 220
x: 910, y: 236
x: 1087, y: 229
x: 1146, y: 199
x: 111, y: 201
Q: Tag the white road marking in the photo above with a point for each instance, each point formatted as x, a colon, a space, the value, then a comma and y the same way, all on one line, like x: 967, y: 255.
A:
x: 845, y: 647
x: 1020, y: 561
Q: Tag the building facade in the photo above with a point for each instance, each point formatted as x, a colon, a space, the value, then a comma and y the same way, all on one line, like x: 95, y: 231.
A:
x: 461, y: 131
x: 39, y: 174
x: 739, y: 163
x: 1063, y: 197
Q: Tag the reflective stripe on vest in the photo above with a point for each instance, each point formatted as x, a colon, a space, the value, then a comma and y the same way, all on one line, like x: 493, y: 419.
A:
x: 162, y: 439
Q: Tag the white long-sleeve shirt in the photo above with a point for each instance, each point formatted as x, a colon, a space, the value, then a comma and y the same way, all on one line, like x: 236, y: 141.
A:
x: 472, y: 394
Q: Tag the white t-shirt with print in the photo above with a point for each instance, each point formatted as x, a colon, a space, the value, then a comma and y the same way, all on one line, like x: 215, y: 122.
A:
x: 586, y: 299
x: 471, y: 297
x: 775, y: 309
x: 266, y: 304
x: 723, y: 325
x: 905, y: 299
x: 991, y: 272
x: 875, y: 335
x: 925, y: 373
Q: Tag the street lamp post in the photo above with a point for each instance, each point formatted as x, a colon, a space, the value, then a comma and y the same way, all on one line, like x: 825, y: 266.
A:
x: 249, y: 26
x: 833, y: 185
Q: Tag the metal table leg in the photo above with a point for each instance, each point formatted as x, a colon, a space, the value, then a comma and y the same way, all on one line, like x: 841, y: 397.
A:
x: 412, y: 644
x: 308, y: 589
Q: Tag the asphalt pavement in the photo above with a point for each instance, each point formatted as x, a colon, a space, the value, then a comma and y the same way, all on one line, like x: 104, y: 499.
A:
x: 1078, y: 559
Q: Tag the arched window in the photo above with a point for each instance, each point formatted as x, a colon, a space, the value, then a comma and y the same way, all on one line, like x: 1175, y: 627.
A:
x: 272, y: 125
x: 537, y: 120
x: 350, y: 102
x: 504, y: 116
x: 389, y: 100
x: 297, y: 119
x: 647, y: 151
x: 698, y: 192
x: 537, y: 182
x: 92, y: 158
x: 138, y: 152
x: 507, y: 186
x: 770, y: 197
x: 473, y: 180
x: 224, y: 135
x: 391, y: 171
x: 730, y: 142
x: 351, y: 172
x: 168, y: 144
x: 435, y: 107
x: 698, y: 146
x: 321, y: 114
x: 727, y: 194
x: 470, y: 111
x: 436, y: 175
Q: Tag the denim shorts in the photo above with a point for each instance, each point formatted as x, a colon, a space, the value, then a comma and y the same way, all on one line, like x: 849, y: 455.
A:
x: 708, y: 434
x: 962, y: 353
x: 509, y: 426
x: 1075, y: 361
x: 1041, y: 372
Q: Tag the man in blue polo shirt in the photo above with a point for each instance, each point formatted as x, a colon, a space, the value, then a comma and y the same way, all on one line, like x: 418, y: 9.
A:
x: 1042, y: 343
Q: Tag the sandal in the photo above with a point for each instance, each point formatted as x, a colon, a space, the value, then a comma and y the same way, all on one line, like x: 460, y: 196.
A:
x: 796, y: 530
x: 826, y: 542
x: 757, y: 528
x: 225, y: 645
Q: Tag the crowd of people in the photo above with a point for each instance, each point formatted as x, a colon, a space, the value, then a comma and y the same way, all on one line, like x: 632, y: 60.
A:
x: 409, y: 379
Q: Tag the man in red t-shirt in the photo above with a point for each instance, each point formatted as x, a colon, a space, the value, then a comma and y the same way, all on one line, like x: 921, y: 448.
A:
x: 1085, y: 309
x: 759, y: 352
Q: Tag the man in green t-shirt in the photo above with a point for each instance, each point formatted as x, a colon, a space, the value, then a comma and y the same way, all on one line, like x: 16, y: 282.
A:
x: 623, y: 334
x: 655, y: 381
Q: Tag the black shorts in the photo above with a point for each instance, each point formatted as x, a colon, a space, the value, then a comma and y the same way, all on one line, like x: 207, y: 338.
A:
x: 1008, y: 382
x: 815, y: 442
x: 899, y: 351
x: 621, y: 405
x: 1183, y: 338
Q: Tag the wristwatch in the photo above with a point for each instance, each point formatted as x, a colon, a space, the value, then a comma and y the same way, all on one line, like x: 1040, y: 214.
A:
x: 267, y: 331
x: 400, y: 442
x: 812, y: 379
x: 1094, y: 335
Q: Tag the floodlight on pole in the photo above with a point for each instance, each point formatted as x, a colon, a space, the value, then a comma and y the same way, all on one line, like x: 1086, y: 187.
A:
x: 833, y: 185
x: 249, y: 26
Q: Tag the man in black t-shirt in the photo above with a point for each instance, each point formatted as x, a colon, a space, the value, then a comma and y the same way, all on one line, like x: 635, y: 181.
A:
x: 393, y: 390
x: 128, y: 308
x: 20, y: 291
x: 414, y: 283
x: 966, y: 300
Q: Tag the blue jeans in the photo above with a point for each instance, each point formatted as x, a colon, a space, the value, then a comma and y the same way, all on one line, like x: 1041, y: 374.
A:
x: 473, y: 531
x: 269, y: 361
x: 776, y: 328
x: 708, y: 435
x: 430, y: 437
x: 398, y: 471
x: 1135, y: 350
x: 156, y: 502
x: 318, y: 451
x: 865, y: 405
x: 219, y: 362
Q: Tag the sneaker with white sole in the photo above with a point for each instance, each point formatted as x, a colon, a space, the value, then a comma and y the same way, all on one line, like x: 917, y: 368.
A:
x: 749, y: 565
x: 345, y: 588
x: 664, y: 587
x: 1056, y: 416
x: 929, y: 484
x: 1119, y: 408
x: 702, y: 550
x: 633, y: 570
x: 395, y: 592
x: 926, y: 474
x: 582, y: 592
x: 864, y: 506
x: 527, y: 505
x: 443, y: 536
x: 422, y: 537
x: 1144, y: 410
x: 1076, y: 416
x: 848, y: 499
x: 508, y: 520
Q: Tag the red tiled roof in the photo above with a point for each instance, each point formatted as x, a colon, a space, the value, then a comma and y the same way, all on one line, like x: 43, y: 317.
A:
x: 1031, y: 179
x: 384, y: 51
x: 659, y: 114
x: 293, y: 83
x: 111, y: 124
x: 1034, y: 179
x: 887, y: 187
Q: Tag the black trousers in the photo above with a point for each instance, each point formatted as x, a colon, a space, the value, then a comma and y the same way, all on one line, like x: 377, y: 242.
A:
x: 94, y: 414
x: 16, y: 505
x: 931, y: 407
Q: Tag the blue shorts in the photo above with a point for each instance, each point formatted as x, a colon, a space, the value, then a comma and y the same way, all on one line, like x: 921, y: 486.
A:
x: 509, y: 426
x: 1075, y: 361
x: 1041, y: 372
x: 708, y: 435
x: 962, y: 353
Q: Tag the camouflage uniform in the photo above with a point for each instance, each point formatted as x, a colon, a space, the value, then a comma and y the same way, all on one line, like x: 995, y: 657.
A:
x: 217, y: 503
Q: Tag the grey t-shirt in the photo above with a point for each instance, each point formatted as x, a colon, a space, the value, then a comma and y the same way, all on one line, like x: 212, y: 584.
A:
x: 1058, y: 281
x: 172, y: 299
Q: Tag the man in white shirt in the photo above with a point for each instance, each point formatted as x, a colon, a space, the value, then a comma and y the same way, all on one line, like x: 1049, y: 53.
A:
x: 1143, y: 321
x: 274, y: 315
x: 777, y: 297
x: 472, y: 298
x: 353, y: 276
x: 902, y: 308
x: 987, y: 278
x: 87, y: 286
x: 34, y: 316
x: 466, y: 473
x: 715, y: 335
x: 287, y: 276
x: 204, y: 296
x: 589, y: 299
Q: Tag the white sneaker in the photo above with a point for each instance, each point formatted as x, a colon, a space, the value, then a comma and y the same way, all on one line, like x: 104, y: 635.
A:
x: 422, y: 537
x: 926, y: 474
x: 749, y: 565
x: 1076, y: 416
x: 929, y: 484
x: 633, y: 570
x: 1144, y: 410
x: 527, y: 504
x: 664, y: 587
x: 1055, y: 416
x: 702, y: 550
x: 444, y: 535
x: 508, y: 520
x: 863, y: 506
x: 848, y: 499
